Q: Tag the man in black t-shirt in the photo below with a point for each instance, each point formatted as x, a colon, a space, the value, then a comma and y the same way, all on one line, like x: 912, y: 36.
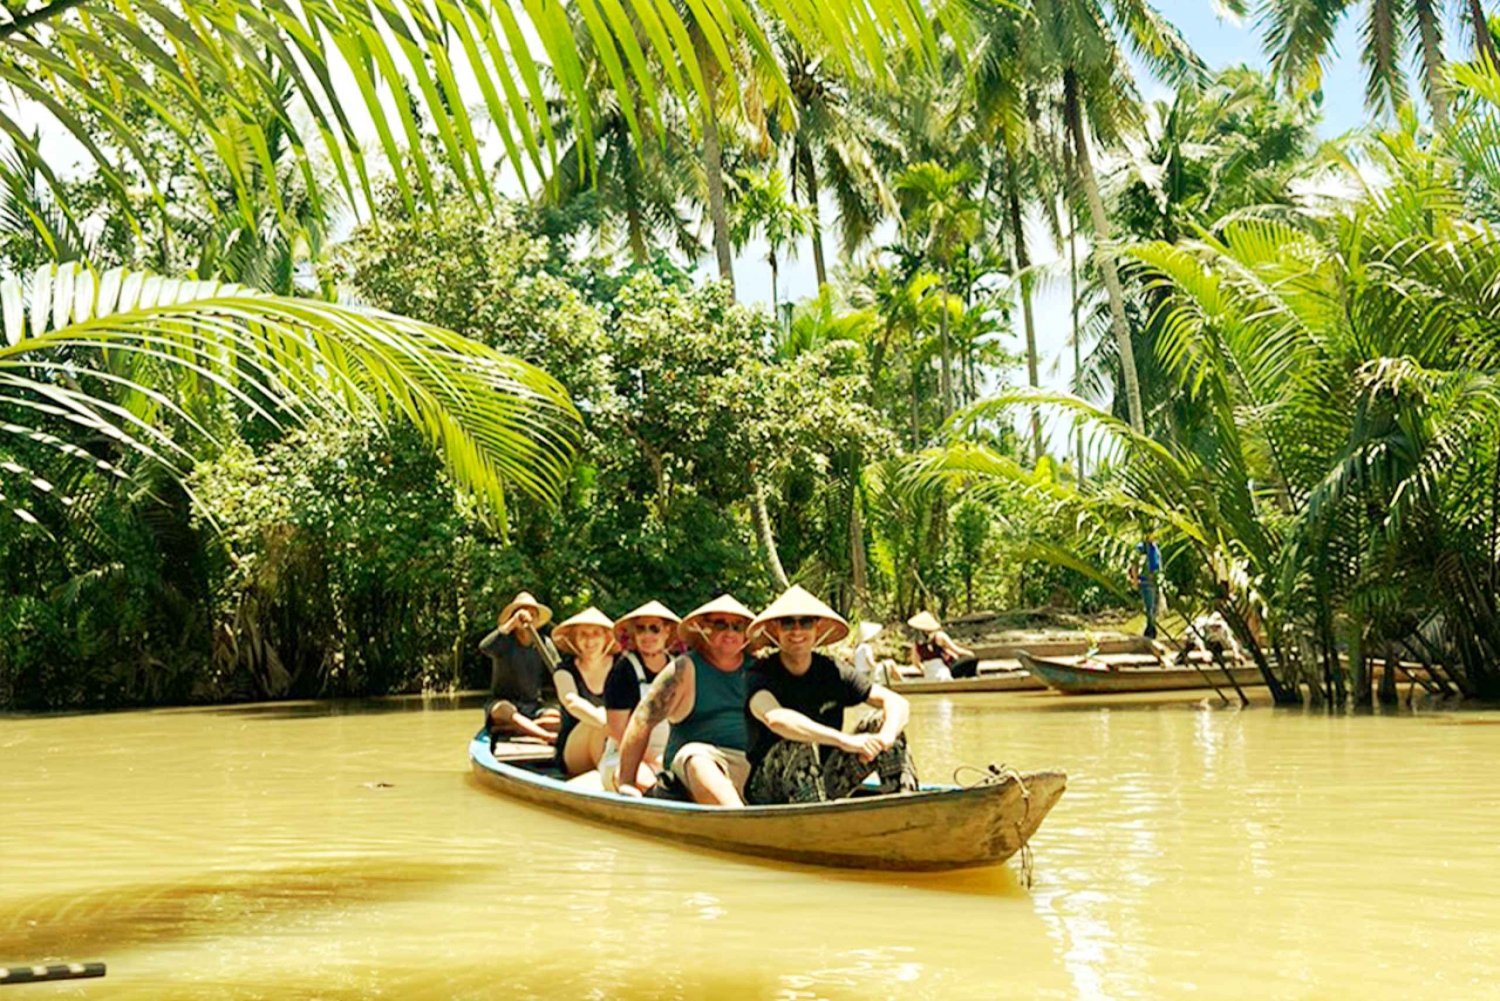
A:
x: 799, y: 751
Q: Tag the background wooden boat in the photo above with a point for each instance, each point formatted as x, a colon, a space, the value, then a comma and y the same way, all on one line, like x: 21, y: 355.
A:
x: 1004, y: 671
x: 938, y: 828
x: 1017, y: 679
x: 1072, y: 678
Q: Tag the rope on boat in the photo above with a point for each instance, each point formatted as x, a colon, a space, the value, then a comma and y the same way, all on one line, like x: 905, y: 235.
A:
x: 993, y: 774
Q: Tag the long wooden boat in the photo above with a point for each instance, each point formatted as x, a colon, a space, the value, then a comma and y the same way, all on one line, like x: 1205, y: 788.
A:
x: 940, y: 827
x: 1011, y: 675
x: 1018, y: 680
x: 1072, y: 678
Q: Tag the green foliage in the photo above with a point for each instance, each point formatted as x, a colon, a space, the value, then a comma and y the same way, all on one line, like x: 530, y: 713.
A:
x: 344, y: 567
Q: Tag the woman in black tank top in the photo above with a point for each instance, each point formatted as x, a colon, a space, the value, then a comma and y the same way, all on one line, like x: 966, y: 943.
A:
x: 588, y: 638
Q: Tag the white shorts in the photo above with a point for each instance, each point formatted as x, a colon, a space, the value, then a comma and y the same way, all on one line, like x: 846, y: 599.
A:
x: 936, y: 670
x: 609, y: 764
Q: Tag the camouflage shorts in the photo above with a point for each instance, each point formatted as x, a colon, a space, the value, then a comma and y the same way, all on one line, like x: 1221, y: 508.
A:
x: 792, y: 772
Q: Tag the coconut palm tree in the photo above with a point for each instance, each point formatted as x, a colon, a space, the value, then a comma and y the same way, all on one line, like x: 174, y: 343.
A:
x: 1299, y: 35
x: 836, y: 145
x: 645, y: 190
x: 764, y: 208
x: 942, y: 219
x: 1082, y: 44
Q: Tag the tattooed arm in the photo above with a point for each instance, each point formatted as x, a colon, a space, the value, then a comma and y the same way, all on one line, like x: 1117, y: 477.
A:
x: 662, y: 701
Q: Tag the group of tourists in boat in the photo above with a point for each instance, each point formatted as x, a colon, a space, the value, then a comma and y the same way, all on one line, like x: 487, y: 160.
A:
x: 713, y: 723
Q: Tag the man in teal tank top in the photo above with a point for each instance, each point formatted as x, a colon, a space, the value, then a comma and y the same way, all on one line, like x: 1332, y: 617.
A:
x: 703, y: 695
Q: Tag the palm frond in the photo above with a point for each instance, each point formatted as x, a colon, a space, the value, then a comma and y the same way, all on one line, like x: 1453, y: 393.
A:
x: 115, y: 356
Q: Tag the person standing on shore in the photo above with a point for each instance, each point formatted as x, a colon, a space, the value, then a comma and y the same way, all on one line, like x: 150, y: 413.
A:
x: 1147, y: 572
x: 521, y: 659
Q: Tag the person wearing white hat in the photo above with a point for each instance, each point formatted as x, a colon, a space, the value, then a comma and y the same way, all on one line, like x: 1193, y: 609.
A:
x: 521, y: 659
x: 864, y: 653
x: 702, y: 694
x: 645, y: 635
x: 938, y: 657
x: 588, y: 640
x: 799, y: 752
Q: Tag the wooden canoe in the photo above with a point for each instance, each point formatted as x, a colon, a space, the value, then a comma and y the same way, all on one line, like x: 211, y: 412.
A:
x: 1018, y: 680
x: 1010, y: 675
x: 937, y: 828
x: 1072, y: 678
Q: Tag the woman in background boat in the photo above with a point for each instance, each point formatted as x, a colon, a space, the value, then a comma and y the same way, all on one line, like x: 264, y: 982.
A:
x: 865, y: 663
x: 645, y: 635
x: 702, y: 694
x: 588, y: 639
x: 937, y: 656
x: 799, y: 752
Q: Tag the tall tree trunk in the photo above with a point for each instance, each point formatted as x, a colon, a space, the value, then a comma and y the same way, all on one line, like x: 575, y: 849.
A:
x: 1072, y: 101
x: 1077, y: 333
x: 810, y: 179
x: 775, y: 278
x: 945, y: 376
x: 763, y: 529
x: 858, y: 571
x: 1432, y: 61
x: 636, y: 231
x: 1020, y: 264
x: 916, y: 406
x: 1484, y: 42
x: 713, y: 166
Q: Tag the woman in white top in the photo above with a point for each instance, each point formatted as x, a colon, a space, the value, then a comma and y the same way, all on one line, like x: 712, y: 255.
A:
x: 646, y: 635
x: 864, y: 653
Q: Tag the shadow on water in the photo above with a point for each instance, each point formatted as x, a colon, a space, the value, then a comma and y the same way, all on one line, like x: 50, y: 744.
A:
x: 995, y: 880
x: 98, y: 922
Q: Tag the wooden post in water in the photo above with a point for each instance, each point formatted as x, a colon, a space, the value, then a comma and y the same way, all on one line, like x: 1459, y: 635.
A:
x: 55, y: 971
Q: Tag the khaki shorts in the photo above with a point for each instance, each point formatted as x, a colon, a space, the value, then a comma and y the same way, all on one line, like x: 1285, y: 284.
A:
x: 731, y: 762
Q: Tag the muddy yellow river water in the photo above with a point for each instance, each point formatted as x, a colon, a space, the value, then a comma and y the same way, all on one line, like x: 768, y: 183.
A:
x: 309, y: 852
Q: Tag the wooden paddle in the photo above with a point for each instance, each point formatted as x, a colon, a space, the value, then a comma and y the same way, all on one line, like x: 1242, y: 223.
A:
x: 56, y: 971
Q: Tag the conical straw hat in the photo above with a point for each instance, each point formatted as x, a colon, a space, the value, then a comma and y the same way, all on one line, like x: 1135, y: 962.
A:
x: 869, y: 630
x: 797, y: 601
x: 650, y: 610
x: 722, y: 605
x: 562, y: 633
x: 525, y: 600
x: 924, y: 621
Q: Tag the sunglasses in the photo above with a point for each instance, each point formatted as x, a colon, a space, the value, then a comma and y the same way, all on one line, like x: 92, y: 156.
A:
x: 723, y: 625
x: 797, y: 621
x: 653, y: 629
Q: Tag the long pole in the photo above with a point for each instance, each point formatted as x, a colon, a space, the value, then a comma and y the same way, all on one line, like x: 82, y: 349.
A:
x: 43, y: 974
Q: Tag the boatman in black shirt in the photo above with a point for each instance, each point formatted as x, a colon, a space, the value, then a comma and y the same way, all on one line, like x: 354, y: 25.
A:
x: 799, y: 752
x: 522, y: 661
